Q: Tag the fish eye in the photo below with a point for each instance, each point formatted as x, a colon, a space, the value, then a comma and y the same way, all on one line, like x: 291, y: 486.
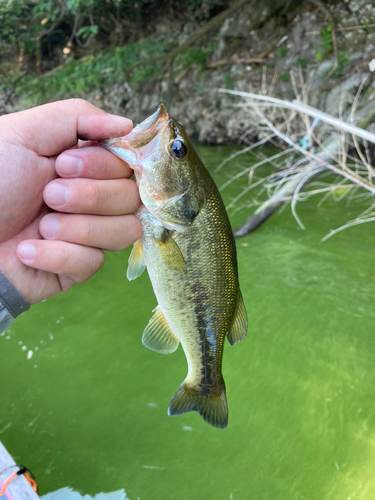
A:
x: 178, y: 149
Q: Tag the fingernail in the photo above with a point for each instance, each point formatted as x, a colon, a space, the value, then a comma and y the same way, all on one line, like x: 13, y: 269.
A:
x: 56, y: 194
x: 122, y: 119
x: 68, y: 164
x: 27, y: 251
x: 50, y: 226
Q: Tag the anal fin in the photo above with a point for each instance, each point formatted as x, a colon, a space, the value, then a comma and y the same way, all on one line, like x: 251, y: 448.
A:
x: 238, y: 329
x: 158, y: 336
x: 136, y: 264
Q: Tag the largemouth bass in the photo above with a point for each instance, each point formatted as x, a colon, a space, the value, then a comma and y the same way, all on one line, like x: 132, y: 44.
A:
x: 188, y: 247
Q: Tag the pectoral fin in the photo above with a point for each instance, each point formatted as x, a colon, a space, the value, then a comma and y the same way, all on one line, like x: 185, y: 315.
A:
x: 136, y: 264
x: 158, y: 336
x: 239, y: 325
x: 171, y: 254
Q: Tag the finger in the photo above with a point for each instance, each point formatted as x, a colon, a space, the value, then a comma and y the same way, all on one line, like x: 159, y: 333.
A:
x: 87, y: 144
x: 52, y: 128
x: 93, y: 163
x: 59, y: 257
x: 110, y: 233
x: 96, y: 197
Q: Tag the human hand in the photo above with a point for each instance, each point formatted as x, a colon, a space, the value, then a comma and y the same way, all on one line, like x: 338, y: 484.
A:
x: 94, y: 197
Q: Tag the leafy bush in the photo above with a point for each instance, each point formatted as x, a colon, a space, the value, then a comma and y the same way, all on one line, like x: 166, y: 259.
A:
x: 327, y: 45
x: 326, y: 35
x: 281, y: 52
x: 79, y: 77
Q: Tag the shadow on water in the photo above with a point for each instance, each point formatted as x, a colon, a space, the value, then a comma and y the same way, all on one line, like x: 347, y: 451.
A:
x: 84, y: 403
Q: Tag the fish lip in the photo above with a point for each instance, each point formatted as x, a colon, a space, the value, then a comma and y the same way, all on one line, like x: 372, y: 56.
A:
x: 153, y: 122
x: 129, y: 147
x: 143, y: 133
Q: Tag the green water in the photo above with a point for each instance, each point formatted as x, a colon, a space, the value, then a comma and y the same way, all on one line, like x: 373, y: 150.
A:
x: 89, y: 409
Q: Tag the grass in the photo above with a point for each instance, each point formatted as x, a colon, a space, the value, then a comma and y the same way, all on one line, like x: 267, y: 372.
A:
x: 79, y: 77
x: 100, y: 71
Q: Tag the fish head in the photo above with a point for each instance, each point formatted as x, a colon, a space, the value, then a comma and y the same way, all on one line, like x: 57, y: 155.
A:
x: 166, y: 168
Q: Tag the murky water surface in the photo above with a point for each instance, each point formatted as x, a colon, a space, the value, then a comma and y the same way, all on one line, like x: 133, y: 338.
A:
x: 84, y: 404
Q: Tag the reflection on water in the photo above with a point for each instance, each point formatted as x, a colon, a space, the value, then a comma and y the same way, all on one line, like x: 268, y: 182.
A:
x: 70, y: 494
x: 88, y: 407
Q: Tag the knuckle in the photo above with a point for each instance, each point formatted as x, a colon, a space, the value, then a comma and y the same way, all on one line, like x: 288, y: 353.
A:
x: 130, y: 230
x: 96, y: 195
x: 132, y: 199
x: 64, y: 257
x: 79, y: 104
x: 97, y: 260
x: 93, y: 262
x: 134, y: 229
x: 87, y: 232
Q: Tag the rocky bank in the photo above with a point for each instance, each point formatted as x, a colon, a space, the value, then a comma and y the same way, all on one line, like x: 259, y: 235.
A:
x: 295, y: 46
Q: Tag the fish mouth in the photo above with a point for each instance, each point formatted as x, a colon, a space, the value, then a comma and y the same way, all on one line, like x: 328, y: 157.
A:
x: 126, y: 147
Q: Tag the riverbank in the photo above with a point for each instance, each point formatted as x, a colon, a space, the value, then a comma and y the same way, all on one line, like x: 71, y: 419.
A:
x: 317, y: 49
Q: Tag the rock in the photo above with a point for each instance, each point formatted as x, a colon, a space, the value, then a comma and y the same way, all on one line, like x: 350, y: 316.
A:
x: 355, y: 5
x: 324, y: 67
x: 342, y: 96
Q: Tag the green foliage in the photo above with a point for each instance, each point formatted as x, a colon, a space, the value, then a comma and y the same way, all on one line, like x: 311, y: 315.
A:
x: 284, y: 77
x: 281, y: 52
x: 343, y: 61
x: 326, y: 34
x: 30, y: 24
x: 194, y: 55
x: 228, y: 80
x: 30, y: 21
x: 11, y: 11
x: 327, y: 45
x: 79, y: 77
x: 301, y: 62
x: 86, y: 31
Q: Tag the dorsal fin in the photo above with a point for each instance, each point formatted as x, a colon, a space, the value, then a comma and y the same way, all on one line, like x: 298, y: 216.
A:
x: 136, y: 261
x: 158, y: 336
x: 239, y: 324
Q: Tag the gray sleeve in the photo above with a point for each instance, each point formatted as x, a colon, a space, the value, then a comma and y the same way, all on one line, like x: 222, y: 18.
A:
x: 12, y: 304
x: 6, y: 319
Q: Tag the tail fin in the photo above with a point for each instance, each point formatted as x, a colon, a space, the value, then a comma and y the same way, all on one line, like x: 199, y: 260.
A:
x: 211, y: 406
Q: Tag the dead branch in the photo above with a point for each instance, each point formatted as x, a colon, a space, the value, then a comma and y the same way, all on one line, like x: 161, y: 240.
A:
x: 235, y: 60
x: 289, y: 182
x: 286, y: 193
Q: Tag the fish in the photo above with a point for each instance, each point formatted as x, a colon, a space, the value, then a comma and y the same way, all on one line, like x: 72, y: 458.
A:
x: 188, y: 247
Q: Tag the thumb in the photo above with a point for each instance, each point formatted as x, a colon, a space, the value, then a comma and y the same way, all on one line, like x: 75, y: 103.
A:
x: 52, y: 128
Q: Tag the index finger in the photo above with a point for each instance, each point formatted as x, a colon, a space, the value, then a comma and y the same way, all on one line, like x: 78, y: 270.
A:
x: 52, y: 128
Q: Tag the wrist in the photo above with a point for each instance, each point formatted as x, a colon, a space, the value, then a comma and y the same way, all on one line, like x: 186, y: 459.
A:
x: 10, y: 298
